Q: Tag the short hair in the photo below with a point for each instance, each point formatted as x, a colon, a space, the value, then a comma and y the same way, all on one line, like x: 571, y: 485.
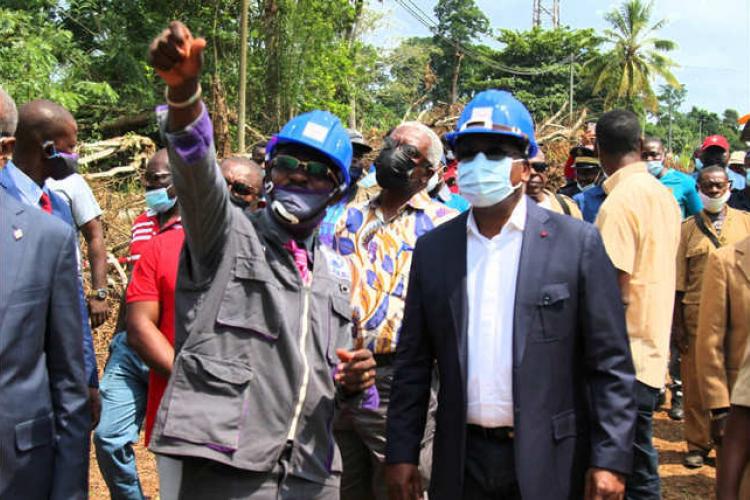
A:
x: 248, y: 163
x: 651, y: 138
x: 8, y: 114
x: 618, y: 132
x: 710, y: 170
x: 435, y: 150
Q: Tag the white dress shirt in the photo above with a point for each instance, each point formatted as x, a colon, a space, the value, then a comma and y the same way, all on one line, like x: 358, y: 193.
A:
x: 492, y: 270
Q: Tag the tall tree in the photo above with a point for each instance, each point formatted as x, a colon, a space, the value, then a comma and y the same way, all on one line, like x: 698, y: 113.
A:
x: 460, y: 22
x: 625, y: 73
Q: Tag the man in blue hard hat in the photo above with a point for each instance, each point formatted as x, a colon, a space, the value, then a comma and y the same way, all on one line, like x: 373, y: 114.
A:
x: 536, y: 380
x: 263, y: 321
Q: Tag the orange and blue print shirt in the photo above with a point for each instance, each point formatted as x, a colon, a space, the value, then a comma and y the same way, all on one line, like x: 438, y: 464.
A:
x: 379, y: 254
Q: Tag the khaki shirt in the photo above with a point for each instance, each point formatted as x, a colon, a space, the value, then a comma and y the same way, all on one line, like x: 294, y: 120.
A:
x: 723, y: 322
x: 553, y: 203
x: 640, y: 225
x: 741, y: 390
x: 695, y: 247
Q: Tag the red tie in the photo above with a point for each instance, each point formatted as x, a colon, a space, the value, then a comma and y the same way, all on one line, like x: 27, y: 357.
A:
x: 45, y: 203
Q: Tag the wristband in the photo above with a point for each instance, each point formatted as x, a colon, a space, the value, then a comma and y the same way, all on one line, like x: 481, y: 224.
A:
x: 184, y: 104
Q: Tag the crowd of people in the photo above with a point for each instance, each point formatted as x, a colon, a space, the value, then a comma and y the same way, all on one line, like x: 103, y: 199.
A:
x: 439, y: 323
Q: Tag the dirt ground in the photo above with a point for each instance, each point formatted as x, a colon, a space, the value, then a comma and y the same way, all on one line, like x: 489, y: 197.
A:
x: 678, y: 483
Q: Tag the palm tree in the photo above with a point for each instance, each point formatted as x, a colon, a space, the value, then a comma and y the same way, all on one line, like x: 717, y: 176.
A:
x: 637, y: 56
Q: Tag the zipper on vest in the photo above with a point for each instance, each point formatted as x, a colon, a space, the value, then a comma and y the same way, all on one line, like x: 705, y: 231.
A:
x: 305, y: 363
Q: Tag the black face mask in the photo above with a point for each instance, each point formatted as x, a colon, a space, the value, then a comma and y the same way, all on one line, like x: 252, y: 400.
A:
x: 394, y: 164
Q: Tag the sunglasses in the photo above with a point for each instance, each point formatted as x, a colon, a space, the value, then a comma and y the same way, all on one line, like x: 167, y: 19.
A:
x: 242, y: 189
x: 315, y: 169
x: 539, y: 166
x: 493, y: 154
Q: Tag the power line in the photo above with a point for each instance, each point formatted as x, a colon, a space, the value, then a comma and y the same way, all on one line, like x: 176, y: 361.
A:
x: 423, y: 18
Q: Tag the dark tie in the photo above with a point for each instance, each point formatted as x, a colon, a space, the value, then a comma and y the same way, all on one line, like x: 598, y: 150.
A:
x: 45, y: 203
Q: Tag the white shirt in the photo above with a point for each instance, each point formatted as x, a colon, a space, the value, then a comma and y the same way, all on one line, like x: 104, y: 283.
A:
x: 492, y: 270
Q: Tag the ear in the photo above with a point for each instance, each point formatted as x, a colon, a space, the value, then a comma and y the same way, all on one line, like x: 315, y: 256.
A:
x: 524, y: 168
x: 7, y: 145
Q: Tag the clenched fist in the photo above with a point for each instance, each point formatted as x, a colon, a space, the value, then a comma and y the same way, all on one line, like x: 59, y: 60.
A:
x: 177, y: 56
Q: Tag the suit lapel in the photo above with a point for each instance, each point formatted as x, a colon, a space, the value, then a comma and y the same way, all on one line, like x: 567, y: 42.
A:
x: 455, y: 253
x: 535, y: 253
x: 13, y: 237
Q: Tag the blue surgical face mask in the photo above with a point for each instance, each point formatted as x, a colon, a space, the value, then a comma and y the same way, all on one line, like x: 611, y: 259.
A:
x: 159, y: 201
x: 655, y: 167
x: 698, y: 164
x: 485, y: 182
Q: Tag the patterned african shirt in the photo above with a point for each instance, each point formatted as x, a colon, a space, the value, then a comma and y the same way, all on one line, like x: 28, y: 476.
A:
x: 379, y: 254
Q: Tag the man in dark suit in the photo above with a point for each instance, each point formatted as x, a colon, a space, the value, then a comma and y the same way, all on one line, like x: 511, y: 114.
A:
x: 536, y: 393
x: 44, y: 420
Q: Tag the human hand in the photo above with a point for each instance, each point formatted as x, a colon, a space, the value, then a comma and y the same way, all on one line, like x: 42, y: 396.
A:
x: 718, y: 423
x: 603, y: 484
x: 404, y: 482
x: 98, y: 312
x: 95, y: 406
x: 356, y: 372
x: 177, y: 57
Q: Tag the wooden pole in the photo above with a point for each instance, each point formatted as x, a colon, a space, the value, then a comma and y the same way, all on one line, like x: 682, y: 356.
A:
x: 243, y: 77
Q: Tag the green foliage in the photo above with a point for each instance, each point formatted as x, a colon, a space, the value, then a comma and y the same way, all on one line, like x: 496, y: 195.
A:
x: 40, y: 59
x: 624, y: 73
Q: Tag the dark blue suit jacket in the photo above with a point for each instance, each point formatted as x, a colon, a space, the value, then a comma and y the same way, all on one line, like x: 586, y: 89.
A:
x: 573, y: 377
x: 44, y: 415
x: 62, y: 210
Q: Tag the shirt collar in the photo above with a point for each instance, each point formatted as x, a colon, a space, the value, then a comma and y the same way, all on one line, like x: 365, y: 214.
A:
x: 613, y: 180
x: 30, y: 190
x: 517, y: 220
x: 419, y: 201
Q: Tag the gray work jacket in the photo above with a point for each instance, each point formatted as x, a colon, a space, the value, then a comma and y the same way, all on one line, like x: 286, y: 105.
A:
x: 255, y: 348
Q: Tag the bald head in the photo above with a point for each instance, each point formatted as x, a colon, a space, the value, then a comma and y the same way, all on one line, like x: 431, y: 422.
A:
x: 8, y: 114
x: 41, y: 120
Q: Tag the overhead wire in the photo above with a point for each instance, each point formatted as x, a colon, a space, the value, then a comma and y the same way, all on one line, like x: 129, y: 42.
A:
x: 423, y: 18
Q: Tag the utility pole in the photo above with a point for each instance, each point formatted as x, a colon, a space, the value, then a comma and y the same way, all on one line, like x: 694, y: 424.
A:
x: 572, y: 96
x: 243, y: 77
x: 546, y: 9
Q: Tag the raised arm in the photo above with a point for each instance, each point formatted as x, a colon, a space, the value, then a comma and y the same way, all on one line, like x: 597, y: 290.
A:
x: 204, y: 201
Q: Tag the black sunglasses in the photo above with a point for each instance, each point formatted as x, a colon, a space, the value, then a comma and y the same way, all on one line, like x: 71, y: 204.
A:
x: 539, y: 166
x: 242, y: 189
x: 493, y: 154
x: 316, y: 169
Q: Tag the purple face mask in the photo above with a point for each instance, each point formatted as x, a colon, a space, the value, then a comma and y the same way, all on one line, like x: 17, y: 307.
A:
x: 299, y: 210
x: 63, y: 164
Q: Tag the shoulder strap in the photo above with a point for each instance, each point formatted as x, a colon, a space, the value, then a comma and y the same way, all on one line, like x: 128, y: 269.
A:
x: 563, y: 203
x: 701, y: 224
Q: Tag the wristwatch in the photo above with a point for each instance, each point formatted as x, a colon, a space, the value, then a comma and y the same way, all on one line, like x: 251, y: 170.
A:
x: 99, y: 294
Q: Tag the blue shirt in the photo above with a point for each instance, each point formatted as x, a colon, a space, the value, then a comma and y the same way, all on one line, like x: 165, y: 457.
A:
x: 684, y: 190
x: 589, y: 202
x: 28, y: 192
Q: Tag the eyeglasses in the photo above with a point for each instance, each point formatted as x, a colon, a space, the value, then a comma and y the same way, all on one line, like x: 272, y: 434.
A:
x: 242, y: 189
x: 539, y: 166
x: 316, y: 169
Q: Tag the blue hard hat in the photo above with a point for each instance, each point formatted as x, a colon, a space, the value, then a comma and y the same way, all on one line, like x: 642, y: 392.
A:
x: 321, y: 131
x: 496, y: 112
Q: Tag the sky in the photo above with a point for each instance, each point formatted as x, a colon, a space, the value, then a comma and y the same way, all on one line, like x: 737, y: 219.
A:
x: 713, y: 38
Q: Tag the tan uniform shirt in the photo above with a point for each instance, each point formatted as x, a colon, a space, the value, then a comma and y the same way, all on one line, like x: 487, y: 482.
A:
x: 640, y: 225
x: 553, y: 203
x: 723, y: 322
x: 741, y: 389
x: 695, y: 247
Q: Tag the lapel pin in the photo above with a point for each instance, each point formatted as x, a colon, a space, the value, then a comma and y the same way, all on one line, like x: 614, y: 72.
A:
x: 17, y: 233
x: 544, y: 234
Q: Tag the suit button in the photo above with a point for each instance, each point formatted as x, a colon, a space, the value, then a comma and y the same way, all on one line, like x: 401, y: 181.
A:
x: 547, y: 300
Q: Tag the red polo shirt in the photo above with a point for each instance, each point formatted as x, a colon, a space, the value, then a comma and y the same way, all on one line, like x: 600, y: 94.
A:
x: 153, y: 280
